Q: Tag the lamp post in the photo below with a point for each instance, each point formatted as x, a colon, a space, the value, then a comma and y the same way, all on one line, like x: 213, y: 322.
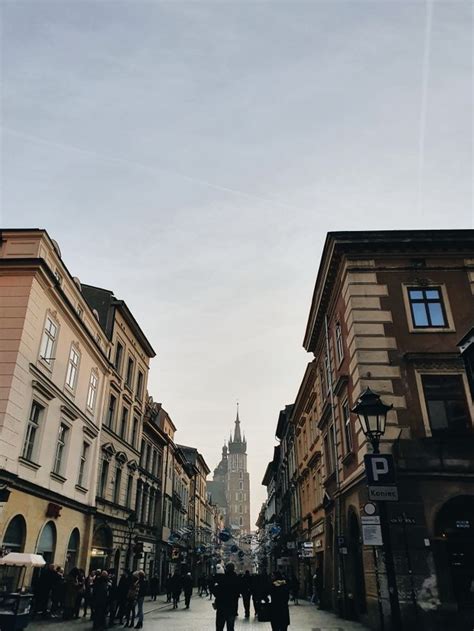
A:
x: 131, y: 523
x: 372, y: 414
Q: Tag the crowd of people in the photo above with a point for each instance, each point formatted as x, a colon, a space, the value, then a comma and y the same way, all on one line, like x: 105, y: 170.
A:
x: 111, y: 600
x: 107, y: 598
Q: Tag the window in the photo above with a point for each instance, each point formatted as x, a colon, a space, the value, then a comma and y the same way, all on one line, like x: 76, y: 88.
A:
x: 427, y: 307
x: 240, y: 509
x: 339, y: 343
x: 154, y: 460
x: 142, y: 453
x: 123, y: 423
x: 81, y: 481
x: 329, y: 451
x: 241, y: 485
x: 148, y: 457
x: 139, y: 392
x: 118, y: 358
x: 104, y: 474
x: 117, y: 485
x: 60, y: 448
x: 129, y: 377
x: 72, y: 366
x: 49, y: 339
x: 109, y: 418
x: 446, y: 403
x: 32, y: 431
x: 327, y: 368
x: 241, y: 521
x: 92, y: 392
x: 128, y: 497
x: 136, y: 423
x: 346, y: 419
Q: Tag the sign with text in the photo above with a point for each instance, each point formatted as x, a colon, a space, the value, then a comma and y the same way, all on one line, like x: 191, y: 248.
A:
x: 383, y: 493
x: 371, y: 530
x: 380, y: 469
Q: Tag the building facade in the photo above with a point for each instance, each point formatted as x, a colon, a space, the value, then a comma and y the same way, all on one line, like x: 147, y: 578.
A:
x: 122, y: 425
x: 54, y: 374
x: 388, y: 311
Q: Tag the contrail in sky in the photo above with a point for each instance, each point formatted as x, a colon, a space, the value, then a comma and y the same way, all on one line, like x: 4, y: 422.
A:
x: 424, y: 103
x: 145, y: 167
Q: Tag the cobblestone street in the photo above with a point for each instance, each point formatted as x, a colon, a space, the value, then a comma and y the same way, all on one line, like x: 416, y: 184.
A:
x: 201, y: 616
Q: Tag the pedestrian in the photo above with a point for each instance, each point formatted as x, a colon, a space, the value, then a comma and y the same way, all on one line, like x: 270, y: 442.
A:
x: 226, y: 589
x: 314, y: 584
x: 154, y: 585
x: 140, y: 598
x: 43, y: 585
x: 100, y: 598
x: 202, y: 585
x: 188, y: 589
x: 88, y: 592
x: 246, y: 591
x: 169, y: 588
x: 295, y: 589
x: 57, y: 592
x: 279, y: 595
x: 260, y: 589
x: 131, y: 601
x: 210, y: 583
x: 71, y: 589
x: 176, y: 586
x: 81, y: 586
x: 122, y: 591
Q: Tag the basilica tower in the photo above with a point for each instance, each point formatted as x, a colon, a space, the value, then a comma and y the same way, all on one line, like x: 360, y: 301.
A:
x: 238, y: 481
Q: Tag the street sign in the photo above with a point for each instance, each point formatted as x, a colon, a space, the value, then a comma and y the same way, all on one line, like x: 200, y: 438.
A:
x: 380, y: 469
x: 383, y: 493
x: 370, y: 509
x: 370, y: 520
x: 372, y: 534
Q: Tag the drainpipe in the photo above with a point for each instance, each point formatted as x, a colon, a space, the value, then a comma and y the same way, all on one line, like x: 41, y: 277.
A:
x: 337, y: 557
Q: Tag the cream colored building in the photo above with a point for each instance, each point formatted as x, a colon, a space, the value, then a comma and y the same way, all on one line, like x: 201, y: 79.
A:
x: 53, y: 374
x: 121, y: 434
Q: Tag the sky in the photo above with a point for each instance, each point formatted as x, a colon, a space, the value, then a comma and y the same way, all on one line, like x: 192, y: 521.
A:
x: 192, y: 156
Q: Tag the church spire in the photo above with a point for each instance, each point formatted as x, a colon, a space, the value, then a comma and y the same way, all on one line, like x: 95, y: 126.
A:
x: 237, y: 435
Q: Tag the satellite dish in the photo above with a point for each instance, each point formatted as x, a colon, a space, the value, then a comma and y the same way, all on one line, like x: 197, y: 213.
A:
x: 56, y: 247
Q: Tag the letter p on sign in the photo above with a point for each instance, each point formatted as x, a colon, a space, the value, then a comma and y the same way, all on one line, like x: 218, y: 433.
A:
x: 379, y: 469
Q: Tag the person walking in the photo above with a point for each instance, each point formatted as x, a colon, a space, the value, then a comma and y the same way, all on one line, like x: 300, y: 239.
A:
x: 176, y: 586
x: 100, y: 598
x: 314, y: 585
x: 132, y: 595
x: 140, y: 598
x: 88, y: 591
x: 122, y: 591
x: 187, y: 588
x: 279, y: 595
x: 295, y: 589
x: 71, y: 589
x: 154, y: 585
x: 169, y: 588
x: 227, y: 589
x: 246, y: 591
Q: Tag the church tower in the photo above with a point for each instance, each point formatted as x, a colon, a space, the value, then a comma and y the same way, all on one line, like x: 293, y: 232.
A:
x: 238, y: 481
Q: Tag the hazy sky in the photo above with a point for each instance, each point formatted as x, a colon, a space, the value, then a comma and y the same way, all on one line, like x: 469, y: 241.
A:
x: 191, y: 156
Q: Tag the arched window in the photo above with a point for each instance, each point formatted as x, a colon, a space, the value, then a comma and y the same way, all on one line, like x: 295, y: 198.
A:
x: 72, y: 554
x: 102, y: 543
x: 47, y: 542
x: 15, y: 534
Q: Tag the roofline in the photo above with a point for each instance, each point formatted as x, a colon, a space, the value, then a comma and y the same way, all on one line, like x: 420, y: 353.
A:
x: 338, y: 243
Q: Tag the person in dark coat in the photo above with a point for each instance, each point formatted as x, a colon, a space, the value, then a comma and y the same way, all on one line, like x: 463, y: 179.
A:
x: 71, y: 589
x: 169, y: 588
x: 43, y: 587
x: 279, y: 595
x: 226, y: 589
x: 260, y: 589
x: 176, y: 586
x: 187, y: 588
x: 131, y: 600
x: 294, y: 589
x: 122, y: 591
x: 100, y: 597
x: 246, y: 591
x: 154, y: 585
x: 142, y: 589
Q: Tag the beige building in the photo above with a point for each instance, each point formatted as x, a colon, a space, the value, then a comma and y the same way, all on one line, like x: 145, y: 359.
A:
x: 121, y: 434
x: 53, y: 374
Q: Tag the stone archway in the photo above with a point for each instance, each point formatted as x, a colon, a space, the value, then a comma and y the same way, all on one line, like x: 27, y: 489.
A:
x: 102, y: 548
x: 453, y: 549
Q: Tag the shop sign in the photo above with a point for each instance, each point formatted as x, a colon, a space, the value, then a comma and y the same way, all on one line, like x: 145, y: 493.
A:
x: 53, y: 510
x: 371, y: 530
x: 463, y: 523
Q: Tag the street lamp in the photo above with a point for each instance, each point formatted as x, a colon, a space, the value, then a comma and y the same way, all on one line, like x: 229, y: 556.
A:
x: 131, y: 523
x: 372, y: 413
